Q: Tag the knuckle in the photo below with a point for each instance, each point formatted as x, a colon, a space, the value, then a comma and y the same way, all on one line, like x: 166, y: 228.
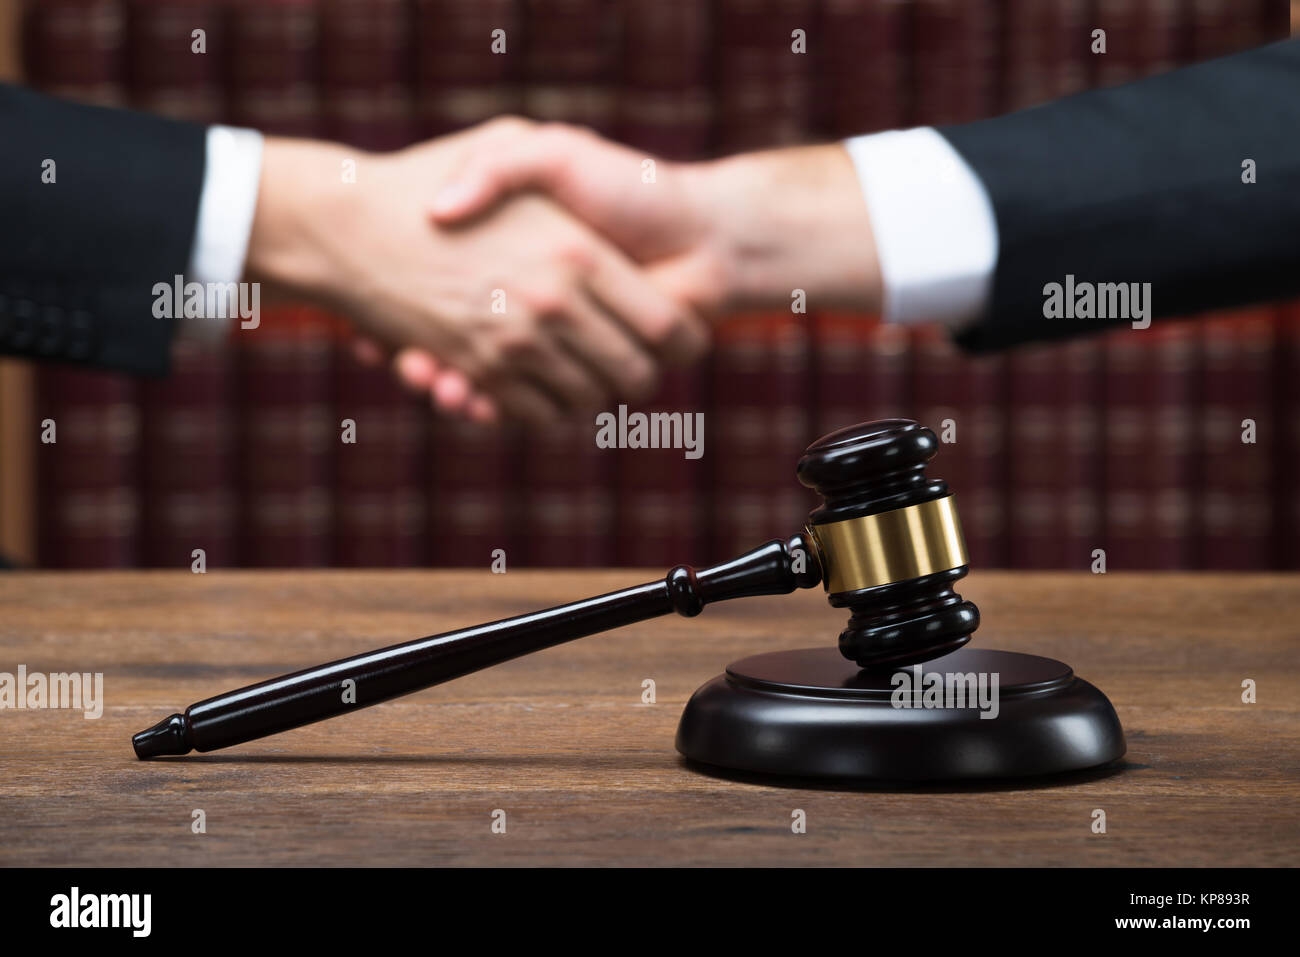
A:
x: 662, y: 327
x: 692, y: 343
x: 485, y: 361
x: 556, y: 129
x: 515, y: 346
x: 548, y: 302
x: 640, y: 379
x: 559, y: 137
x: 510, y: 123
x: 537, y: 409
x: 588, y: 394
x: 555, y: 322
x: 578, y: 256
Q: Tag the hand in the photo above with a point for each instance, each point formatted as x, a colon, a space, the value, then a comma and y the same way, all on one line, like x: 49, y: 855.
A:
x: 535, y: 314
x: 734, y: 233
x: 742, y: 232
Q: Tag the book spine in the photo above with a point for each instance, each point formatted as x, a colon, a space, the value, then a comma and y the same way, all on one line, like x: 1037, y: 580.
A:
x: 862, y: 371
x: 1053, y: 473
x: 367, y: 74
x: 1080, y: 464
x: 568, y: 494
x: 961, y: 399
x: 188, y: 478
x: 1126, y: 538
x: 1143, y: 37
x: 665, y: 106
x: 88, y: 470
x: 87, y: 457
x: 287, y: 427
x: 467, y: 57
x: 665, y: 100
x: 76, y: 49
x: 789, y: 422
x: 175, y: 58
x: 764, y: 77
x: 380, y: 500
x: 761, y: 386
x: 471, y: 513
x: 954, y: 58
x: 187, y: 426
x: 1236, y: 437
x: 571, y: 67
x: 1045, y: 47
x: 861, y: 66
x: 739, y: 428
x: 1221, y: 27
x: 1036, y: 486
x: 289, y: 434
x: 1172, y: 409
x: 660, y: 499
x: 1149, y: 471
x: 273, y: 70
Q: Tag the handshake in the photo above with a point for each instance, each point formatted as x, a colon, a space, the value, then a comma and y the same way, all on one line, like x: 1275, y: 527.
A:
x: 536, y: 271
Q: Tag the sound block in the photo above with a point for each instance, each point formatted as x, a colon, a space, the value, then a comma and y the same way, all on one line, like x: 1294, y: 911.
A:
x: 812, y: 713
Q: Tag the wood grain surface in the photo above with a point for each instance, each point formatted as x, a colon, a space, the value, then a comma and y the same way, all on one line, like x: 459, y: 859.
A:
x: 585, y: 772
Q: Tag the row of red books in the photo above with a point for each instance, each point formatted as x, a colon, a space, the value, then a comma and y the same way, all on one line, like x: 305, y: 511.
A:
x: 240, y: 452
x: 1164, y: 448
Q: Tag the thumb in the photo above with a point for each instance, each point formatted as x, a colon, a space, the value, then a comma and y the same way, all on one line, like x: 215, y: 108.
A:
x: 468, y: 192
x: 692, y: 282
x: 493, y: 171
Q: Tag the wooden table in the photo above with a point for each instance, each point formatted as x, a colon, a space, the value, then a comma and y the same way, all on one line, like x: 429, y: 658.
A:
x: 585, y: 772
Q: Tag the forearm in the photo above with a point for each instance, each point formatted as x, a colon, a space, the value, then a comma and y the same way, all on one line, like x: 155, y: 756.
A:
x: 300, y: 220
x: 790, y: 219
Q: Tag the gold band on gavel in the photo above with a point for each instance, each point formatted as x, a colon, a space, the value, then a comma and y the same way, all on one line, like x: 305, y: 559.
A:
x: 889, y: 547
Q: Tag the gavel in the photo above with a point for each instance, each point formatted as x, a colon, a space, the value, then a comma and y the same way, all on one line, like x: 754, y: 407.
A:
x: 886, y: 544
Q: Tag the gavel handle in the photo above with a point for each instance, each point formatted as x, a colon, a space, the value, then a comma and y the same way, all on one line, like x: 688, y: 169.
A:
x: 290, y: 701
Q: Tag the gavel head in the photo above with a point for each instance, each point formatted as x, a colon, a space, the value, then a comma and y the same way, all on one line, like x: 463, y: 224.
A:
x: 889, y: 543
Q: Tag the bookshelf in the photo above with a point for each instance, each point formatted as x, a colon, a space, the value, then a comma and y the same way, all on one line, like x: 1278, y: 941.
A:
x: 646, y: 494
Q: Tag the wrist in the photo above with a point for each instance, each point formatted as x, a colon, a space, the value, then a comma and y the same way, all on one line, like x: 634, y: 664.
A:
x: 302, y: 206
x: 789, y: 219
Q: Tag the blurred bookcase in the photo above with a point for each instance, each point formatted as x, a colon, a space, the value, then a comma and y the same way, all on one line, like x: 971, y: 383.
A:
x: 1056, y: 457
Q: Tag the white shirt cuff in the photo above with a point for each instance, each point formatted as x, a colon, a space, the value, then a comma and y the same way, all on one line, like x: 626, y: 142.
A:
x: 227, y: 201
x: 226, y: 204
x: 935, y: 232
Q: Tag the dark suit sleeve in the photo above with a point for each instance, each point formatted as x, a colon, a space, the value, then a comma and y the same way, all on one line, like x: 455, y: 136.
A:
x: 1143, y: 183
x: 79, y: 256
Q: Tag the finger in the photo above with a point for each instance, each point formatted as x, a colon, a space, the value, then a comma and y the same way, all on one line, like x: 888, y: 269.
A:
x: 601, y: 342
x: 667, y: 329
x: 534, y: 160
x: 482, y: 410
x: 451, y: 389
x: 416, y: 369
x: 367, y: 351
x: 549, y: 365
x: 524, y: 401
